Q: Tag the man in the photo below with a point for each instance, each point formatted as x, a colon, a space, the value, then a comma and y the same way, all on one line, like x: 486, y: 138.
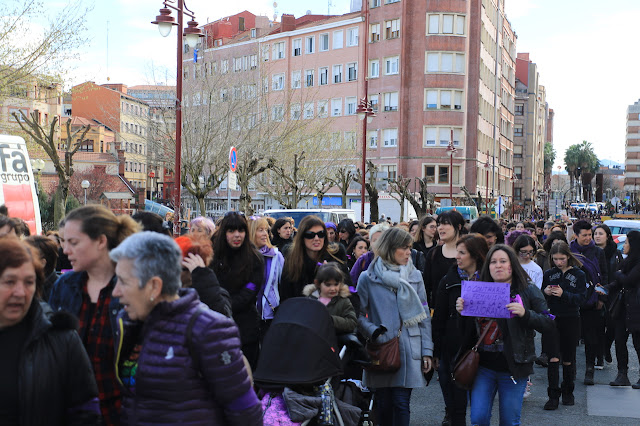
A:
x: 489, y: 229
x: 591, y: 314
x: 540, y: 231
x: 547, y: 229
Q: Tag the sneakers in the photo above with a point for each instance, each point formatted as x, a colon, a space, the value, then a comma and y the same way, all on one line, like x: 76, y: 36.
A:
x: 599, y: 364
x: 542, y: 360
x: 588, y: 376
x: 527, y: 391
x: 621, y: 379
x: 637, y: 385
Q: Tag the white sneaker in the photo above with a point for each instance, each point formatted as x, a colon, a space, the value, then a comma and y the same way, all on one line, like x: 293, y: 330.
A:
x: 527, y: 391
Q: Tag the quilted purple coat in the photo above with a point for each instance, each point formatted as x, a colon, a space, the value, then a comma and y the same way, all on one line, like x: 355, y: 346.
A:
x: 170, y: 386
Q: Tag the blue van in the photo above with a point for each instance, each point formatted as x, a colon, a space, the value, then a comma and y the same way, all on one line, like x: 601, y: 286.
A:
x: 469, y: 213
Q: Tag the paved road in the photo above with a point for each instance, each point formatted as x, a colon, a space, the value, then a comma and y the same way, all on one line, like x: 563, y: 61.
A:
x: 608, y: 406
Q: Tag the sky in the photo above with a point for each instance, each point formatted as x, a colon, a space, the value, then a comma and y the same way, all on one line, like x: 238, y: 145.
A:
x: 584, y: 52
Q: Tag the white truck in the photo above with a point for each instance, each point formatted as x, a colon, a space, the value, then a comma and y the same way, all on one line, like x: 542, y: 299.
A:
x: 387, y: 206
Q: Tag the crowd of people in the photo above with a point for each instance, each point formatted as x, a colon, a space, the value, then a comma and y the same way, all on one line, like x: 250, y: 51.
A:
x: 111, y: 320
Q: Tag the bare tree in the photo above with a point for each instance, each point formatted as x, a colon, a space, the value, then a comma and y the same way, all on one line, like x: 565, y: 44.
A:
x: 372, y: 190
x: 399, y: 191
x: 342, y: 178
x: 47, y: 139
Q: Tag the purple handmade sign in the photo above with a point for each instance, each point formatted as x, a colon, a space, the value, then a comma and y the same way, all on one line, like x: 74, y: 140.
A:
x: 489, y: 300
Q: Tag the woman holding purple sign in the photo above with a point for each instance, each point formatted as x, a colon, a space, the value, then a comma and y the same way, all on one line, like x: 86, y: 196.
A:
x: 507, y: 351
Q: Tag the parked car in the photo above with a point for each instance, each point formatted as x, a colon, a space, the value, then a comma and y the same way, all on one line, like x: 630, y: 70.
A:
x: 326, y: 215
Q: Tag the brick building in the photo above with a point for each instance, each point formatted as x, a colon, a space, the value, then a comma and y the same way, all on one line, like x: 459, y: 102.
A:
x: 632, y: 151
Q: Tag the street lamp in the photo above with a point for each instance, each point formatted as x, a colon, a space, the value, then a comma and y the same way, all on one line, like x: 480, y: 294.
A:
x: 85, y: 185
x: 192, y: 34
x: 487, y: 166
x: 451, y: 150
x: 365, y: 109
x: 513, y: 180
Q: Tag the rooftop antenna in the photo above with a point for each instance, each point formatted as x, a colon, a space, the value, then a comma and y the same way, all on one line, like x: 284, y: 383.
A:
x: 275, y: 11
x: 329, y: 4
x: 108, y: 78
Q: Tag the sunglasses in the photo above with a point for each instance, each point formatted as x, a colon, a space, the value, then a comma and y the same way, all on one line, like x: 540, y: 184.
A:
x: 526, y: 252
x: 311, y: 235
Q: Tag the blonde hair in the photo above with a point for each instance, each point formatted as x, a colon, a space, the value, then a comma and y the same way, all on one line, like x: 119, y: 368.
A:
x: 254, y: 225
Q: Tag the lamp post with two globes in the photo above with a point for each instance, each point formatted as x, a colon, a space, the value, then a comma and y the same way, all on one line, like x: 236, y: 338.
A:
x: 365, y: 109
x: 192, y: 35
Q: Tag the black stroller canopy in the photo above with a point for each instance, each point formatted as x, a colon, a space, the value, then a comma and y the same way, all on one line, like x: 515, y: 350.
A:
x: 300, y: 346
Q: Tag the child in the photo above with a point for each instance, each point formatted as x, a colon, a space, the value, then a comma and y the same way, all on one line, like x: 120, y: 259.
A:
x: 330, y: 289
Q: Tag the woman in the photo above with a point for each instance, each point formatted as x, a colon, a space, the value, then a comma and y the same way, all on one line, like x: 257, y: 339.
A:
x: 427, y: 236
x: 393, y: 301
x: 202, y: 228
x: 627, y: 319
x: 508, y: 350
x: 48, y: 252
x: 332, y: 232
x: 471, y: 252
x: 363, y: 262
x: 357, y: 248
x: 414, y: 227
x: 310, y: 248
x: 46, y: 374
x: 268, y: 298
x: 565, y: 288
x: 177, y: 361
x: 346, y: 232
x: 525, y: 246
x: 90, y: 233
x: 281, y: 232
x: 239, y: 267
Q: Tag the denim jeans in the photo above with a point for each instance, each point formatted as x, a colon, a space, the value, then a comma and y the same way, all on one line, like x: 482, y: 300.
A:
x: 393, y: 406
x: 510, y: 394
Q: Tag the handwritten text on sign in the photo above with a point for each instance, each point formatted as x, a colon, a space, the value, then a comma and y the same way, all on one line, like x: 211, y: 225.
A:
x: 482, y: 299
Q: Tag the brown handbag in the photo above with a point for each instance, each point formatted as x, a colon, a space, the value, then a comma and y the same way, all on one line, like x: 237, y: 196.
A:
x: 466, y: 369
x: 385, y: 357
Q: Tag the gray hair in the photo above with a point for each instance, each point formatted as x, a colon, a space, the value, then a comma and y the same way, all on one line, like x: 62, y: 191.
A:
x: 380, y: 227
x: 390, y: 241
x: 153, y: 255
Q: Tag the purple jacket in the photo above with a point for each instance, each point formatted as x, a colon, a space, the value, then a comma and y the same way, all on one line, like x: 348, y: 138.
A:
x: 169, y: 389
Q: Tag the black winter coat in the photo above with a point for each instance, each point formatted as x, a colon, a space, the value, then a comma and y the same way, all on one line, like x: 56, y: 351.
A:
x: 205, y: 282
x: 55, y: 381
x: 630, y: 282
x: 291, y: 288
x: 444, y: 325
x: 519, y: 346
x: 614, y: 259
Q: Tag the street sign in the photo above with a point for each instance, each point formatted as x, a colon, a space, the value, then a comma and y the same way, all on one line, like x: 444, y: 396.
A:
x: 233, y: 159
x: 232, y: 181
x: 499, y: 205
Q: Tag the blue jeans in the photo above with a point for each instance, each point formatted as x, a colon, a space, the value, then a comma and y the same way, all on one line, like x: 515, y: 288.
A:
x: 393, y: 406
x: 487, y: 383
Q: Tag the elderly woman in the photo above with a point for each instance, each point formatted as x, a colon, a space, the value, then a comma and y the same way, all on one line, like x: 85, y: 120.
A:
x: 46, y: 374
x: 202, y: 228
x: 177, y: 361
x: 393, y: 302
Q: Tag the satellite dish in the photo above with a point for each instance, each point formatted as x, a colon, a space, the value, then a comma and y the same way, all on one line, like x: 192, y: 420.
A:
x: 308, y: 12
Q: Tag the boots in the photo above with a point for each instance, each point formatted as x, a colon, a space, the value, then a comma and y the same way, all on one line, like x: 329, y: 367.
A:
x: 637, y: 385
x: 553, y: 376
x: 588, y: 375
x: 621, y: 379
x: 568, y: 384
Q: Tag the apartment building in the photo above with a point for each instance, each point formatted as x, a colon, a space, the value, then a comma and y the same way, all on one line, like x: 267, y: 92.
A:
x: 530, y: 133
x: 433, y: 69
x: 125, y: 115
x: 632, y: 151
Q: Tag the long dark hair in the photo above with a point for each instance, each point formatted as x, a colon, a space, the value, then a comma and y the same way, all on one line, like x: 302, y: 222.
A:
x: 224, y: 255
x: 420, y: 235
x: 633, y: 257
x: 519, y: 278
x: 555, y: 235
x: 354, y: 243
x: 477, y: 247
x: 294, y: 264
x: 563, y: 248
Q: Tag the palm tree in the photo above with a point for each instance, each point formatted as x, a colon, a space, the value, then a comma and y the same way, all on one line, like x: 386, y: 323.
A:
x: 572, y: 161
x: 581, y: 163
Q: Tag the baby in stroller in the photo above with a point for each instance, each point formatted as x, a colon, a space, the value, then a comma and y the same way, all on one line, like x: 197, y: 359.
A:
x: 299, y: 366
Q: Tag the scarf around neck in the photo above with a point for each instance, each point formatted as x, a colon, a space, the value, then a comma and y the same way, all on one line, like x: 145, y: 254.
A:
x: 396, y: 278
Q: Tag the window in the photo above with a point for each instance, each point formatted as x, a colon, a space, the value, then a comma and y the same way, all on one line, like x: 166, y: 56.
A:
x: 323, y: 73
x: 390, y: 1
x: 338, y: 37
x: 517, y: 194
x: 253, y: 33
x: 517, y: 171
x: 278, y: 82
x: 374, y: 68
x: 297, y: 47
x: 324, y: 42
x: 391, y: 65
x: 392, y: 29
x: 295, y: 112
x: 443, y: 174
x: 390, y: 137
x: 352, y: 71
x: 443, y: 99
x: 308, y: 110
x: 375, y: 3
x: 336, y: 107
x: 350, y: 140
x: 447, y: 62
x: 372, y: 137
x: 296, y: 77
x: 337, y: 73
x: 374, y: 99
x: 278, y: 50
x: 308, y: 78
x: 518, y: 130
x: 517, y: 151
x: 265, y: 52
x: 430, y: 174
x: 237, y: 64
x: 224, y: 66
x: 391, y: 101
x: 374, y: 33
x: 310, y: 44
x: 390, y: 171
x: 446, y: 24
x: 352, y: 37
x: 437, y: 135
x: 351, y: 103
x: 433, y: 24
x: 253, y: 62
x: 519, y: 110
x: 323, y: 110
x: 277, y: 113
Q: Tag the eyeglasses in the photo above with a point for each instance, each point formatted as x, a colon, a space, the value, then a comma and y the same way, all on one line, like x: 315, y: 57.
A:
x: 311, y: 235
x: 526, y: 252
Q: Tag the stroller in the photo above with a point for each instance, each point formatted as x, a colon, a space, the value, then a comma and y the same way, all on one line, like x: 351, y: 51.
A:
x: 299, y: 368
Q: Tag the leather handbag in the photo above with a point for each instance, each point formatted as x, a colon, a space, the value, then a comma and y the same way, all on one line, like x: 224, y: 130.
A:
x: 615, y: 308
x: 385, y: 357
x: 466, y: 369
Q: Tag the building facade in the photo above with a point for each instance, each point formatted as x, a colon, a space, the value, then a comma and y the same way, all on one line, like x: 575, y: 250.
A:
x: 632, y: 152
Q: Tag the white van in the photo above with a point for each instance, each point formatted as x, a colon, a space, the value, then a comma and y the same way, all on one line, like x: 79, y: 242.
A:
x: 326, y: 215
x: 17, y: 189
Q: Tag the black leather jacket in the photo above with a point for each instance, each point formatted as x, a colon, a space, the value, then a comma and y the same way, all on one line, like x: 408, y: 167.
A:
x: 519, y: 347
